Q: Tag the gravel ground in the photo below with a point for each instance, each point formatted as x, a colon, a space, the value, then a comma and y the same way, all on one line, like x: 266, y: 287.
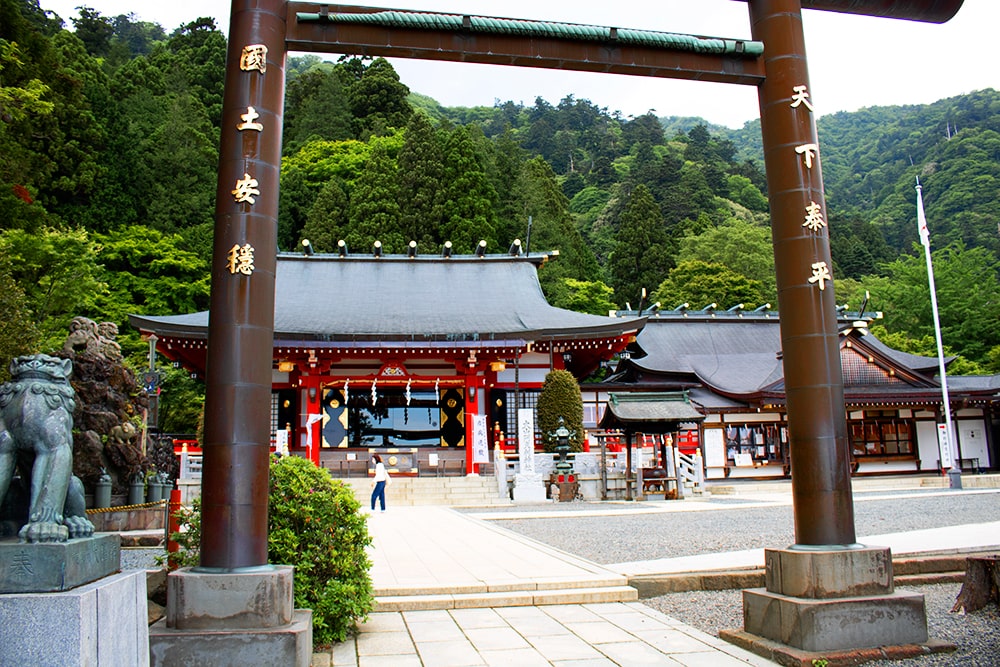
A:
x: 664, y: 535
x: 631, y: 537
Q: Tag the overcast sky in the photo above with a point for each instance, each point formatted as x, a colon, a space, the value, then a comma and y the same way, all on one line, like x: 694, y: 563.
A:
x: 911, y: 63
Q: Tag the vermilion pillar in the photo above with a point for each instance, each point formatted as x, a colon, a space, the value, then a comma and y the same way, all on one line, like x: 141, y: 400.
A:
x: 817, y: 422
x: 241, y: 324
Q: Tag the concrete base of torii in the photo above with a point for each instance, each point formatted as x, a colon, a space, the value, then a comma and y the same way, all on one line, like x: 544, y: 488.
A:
x: 233, y: 618
x: 837, y: 605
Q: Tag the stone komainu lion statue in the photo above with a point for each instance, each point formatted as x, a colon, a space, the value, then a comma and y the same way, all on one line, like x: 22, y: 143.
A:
x: 36, y: 439
x: 83, y: 338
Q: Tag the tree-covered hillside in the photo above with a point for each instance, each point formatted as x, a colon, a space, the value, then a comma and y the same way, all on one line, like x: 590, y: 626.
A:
x: 109, y: 135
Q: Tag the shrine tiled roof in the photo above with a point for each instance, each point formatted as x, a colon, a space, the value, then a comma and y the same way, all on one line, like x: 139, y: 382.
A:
x: 735, y: 356
x: 325, y: 298
x: 646, y: 410
x: 740, y: 355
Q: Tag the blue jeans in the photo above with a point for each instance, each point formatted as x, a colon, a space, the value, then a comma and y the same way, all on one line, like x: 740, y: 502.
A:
x: 379, y: 493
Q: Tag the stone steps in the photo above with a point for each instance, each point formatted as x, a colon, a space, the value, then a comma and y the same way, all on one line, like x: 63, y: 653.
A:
x: 524, y: 593
x: 448, y: 491
x: 908, y: 570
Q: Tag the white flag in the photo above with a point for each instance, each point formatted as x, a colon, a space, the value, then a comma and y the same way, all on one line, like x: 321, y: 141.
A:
x: 925, y: 236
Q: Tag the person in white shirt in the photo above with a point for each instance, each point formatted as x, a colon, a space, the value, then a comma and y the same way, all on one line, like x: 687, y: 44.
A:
x: 379, y: 482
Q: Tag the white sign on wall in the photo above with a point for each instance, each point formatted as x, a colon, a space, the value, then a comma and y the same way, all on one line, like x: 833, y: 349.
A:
x: 526, y: 439
x: 715, y: 448
x: 480, y: 445
x: 944, y: 446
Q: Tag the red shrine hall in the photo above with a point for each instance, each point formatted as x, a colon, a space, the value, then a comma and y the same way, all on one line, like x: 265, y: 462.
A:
x: 428, y: 357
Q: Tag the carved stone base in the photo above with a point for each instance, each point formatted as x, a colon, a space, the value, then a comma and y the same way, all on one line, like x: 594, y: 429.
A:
x: 46, y: 567
x: 235, y: 618
x: 836, y: 600
x: 529, y: 488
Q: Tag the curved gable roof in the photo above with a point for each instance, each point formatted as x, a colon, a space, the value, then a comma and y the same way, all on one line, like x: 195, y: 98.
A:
x: 327, y: 298
x: 734, y: 356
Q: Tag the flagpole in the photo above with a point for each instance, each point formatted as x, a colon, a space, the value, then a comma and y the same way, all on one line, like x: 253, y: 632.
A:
x: 944, y: 443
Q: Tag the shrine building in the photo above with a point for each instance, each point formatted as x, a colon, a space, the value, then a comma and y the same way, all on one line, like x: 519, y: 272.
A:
x: 426, y: 356
x: 729, y: 363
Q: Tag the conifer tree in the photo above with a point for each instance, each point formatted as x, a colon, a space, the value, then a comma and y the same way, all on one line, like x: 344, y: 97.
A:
x: 378, y: 100
x: 315, y: 108
x: 641, y: 255
x: 374, y: 211
x: 468, y: 194
x: 553, y: 227
x: 560, y: 397
x: 421, y: 173
x: 327, y: 219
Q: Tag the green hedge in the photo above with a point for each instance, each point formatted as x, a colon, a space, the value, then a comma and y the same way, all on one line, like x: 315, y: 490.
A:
x: 560, y: 397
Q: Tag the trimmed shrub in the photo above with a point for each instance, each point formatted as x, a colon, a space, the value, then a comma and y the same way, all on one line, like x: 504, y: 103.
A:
x: 313, y: 524
x: 560, y: 397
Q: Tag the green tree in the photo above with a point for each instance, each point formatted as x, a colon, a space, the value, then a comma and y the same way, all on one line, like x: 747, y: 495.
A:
x: 592, y: 297
x: 374, y: 208
x: 195, y: 58
x: 378, y: 100
x: 181, y: 401
x: 926, y: 346
x: 316, y: 107
x: 553, y: 227
x: 421, y: 173
x: 699, y: 283
x: 560, y: 398
x: 741, y: 247
x: 968, y: 295
x: 18, y: 333
x: 468, y: 194
x: 59, y: 274
x: 743, y: 191
x: 94, y: 30
x: 48, y: 132
x: 327, y: 218
x: 148, y: 272
x: 642, y: 255
x: 182, y: 158
x: 18, y: 102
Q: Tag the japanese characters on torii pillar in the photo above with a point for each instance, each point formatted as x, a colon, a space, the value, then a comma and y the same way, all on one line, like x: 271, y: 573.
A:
x: 814, y: 215
x: 239, y: 259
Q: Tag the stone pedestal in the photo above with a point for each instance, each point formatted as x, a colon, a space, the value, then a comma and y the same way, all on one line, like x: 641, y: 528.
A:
x: 46, y: 567
x: 529, y: 488
x: 100, y: 623
x: 564, y: 486
x: 831, y: 603
x: 240, y: 618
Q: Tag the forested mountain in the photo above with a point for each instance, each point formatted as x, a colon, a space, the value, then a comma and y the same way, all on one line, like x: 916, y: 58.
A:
x: 109, y: 136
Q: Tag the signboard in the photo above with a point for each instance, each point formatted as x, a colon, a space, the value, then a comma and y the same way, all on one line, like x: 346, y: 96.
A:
x: 281, y: 442
x: 944, y: 446
x: 480, y: 444
x: 526, y: 439
x: 715, y: 448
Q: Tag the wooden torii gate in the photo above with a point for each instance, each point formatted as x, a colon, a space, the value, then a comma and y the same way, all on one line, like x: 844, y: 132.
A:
x: 241, y: 328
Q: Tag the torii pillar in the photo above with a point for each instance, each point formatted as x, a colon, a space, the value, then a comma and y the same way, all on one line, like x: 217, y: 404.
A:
x: 235, y: 608
x: 826, y: 596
